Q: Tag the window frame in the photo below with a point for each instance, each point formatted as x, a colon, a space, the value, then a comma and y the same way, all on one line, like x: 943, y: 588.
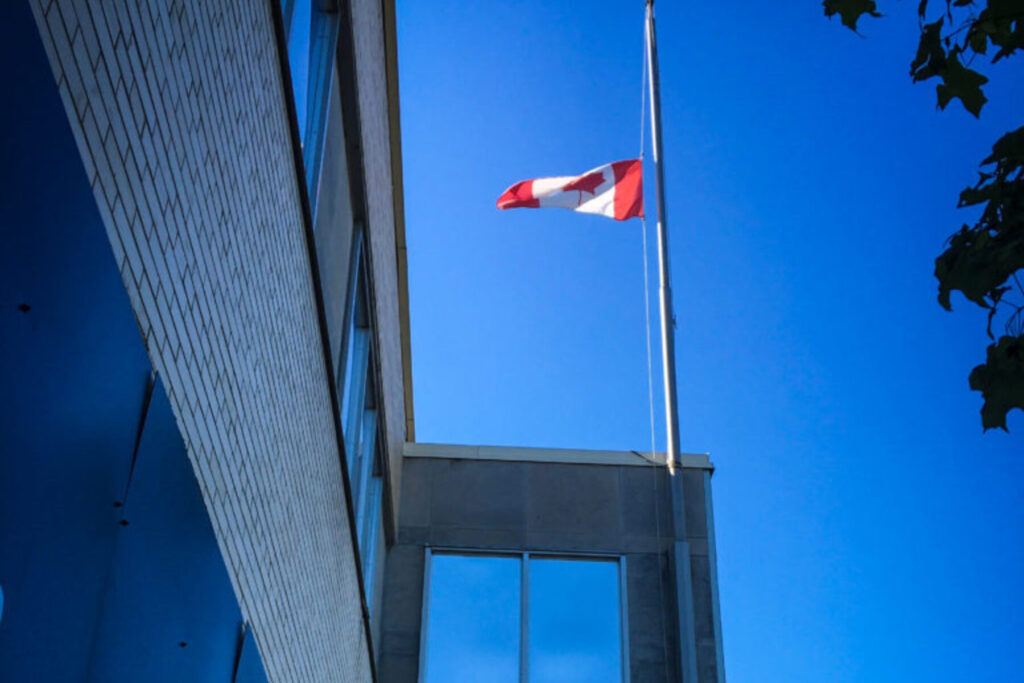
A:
x: 325, y: 23
x: 524, y: 557
x: 365, y: 453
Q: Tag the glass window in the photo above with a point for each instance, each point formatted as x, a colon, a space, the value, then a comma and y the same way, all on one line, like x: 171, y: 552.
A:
x: 369, y: 528
x: 355, y: 365
x: 361, y: 426
x: 312, y: 38
x: 299, y: 39
x: 574, y: 621
x: 473, y: 619
x: 569, y: 620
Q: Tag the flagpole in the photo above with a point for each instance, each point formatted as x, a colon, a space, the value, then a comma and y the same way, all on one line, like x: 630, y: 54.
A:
x: 668, y: 354
x: 681, y: 547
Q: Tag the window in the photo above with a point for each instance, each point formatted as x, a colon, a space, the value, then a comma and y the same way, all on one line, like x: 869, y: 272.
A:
x: 361, y: 423
x: 574, y: 631
x: 473, y: 619
x: 312, y: 27
x: 534, y: 617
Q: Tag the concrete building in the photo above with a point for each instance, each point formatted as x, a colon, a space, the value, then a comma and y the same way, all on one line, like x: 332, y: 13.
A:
x: 208, y: 464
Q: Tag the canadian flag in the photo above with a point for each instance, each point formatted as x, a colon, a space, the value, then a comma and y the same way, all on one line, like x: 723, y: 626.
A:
x: 614, y: 190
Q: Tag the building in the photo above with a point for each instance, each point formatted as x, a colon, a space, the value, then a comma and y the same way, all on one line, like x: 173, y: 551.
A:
x: 209, y: 468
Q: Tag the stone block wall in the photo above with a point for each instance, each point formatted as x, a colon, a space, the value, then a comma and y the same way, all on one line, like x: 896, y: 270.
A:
x: 508, y: 505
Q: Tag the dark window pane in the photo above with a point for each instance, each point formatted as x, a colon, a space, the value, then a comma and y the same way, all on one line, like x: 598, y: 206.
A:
x: 574, y: 632
x: 299, y: 35
x: 473, y: 619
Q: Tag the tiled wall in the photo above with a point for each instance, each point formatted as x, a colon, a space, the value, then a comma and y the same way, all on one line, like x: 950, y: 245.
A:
x: 179, y: 114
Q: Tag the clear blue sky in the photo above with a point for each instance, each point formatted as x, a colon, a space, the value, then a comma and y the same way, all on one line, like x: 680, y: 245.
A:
x: 868, y: 530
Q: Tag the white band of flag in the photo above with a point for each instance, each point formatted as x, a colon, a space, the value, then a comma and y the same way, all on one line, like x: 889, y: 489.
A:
x: 614, y: 190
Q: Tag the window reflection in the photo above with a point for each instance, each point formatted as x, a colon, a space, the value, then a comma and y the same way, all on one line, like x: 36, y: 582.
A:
x: 477, y: 619
x: 473, y: 619
x: 299, y: 38
x: 574, y: 621
x: 361, y: 427
x: 312, y: 27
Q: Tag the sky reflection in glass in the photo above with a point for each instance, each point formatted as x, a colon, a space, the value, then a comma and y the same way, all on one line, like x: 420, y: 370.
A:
x: 475, y: 610
x: 574, y: 621
x: 298, y: 57
x: 473, y: 619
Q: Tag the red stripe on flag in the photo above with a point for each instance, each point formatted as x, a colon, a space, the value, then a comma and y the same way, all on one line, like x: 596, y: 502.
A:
x: 629, y: 189
x: 519, y: 196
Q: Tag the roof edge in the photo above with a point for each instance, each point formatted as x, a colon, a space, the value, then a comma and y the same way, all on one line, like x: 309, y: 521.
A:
x: 700, y: 461
x: 398, y: 198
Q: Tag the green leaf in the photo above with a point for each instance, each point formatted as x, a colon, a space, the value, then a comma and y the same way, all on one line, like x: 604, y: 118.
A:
x: 1002, y: 21
x: 978, y: 40
x: 996, y: 296
x: 967, y: 266
x: 961, y: 83
x: 980, y: 259
x: 977, y: 262
x: 850, y: 11
x: 972, y: 196
x: 1000, y: 379
x: 930, y: 57
x: 1008, y: 152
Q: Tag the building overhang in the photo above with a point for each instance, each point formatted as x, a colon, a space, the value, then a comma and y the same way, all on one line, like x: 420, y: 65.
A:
x: 395, y: 131
x: 699, y: 461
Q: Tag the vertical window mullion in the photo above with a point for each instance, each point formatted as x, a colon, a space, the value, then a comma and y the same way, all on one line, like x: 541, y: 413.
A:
x: 623, y: 619
x: 425, y: 613
x: 524, y: 619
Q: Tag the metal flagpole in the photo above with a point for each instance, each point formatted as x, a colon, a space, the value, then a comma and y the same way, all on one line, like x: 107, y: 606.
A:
x: 681, y: 547
x: 668, y: 354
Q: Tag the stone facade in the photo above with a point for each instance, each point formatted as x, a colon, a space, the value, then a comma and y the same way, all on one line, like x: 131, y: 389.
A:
x: 519, y: 499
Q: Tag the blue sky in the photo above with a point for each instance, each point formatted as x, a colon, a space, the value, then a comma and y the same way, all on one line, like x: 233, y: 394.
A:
x: 868, y: 530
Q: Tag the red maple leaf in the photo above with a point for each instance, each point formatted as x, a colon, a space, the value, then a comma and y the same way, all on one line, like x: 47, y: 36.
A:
x: 586, y: 183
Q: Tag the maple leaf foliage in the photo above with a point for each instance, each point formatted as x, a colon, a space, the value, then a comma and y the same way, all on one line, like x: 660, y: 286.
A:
x: 1000, y: 379
x: 984, y: 261
x: 850, y: 11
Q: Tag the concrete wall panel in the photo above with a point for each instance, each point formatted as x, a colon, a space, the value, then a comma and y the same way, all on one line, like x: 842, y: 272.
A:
x: 469, y: 496
x: 479, y: 504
